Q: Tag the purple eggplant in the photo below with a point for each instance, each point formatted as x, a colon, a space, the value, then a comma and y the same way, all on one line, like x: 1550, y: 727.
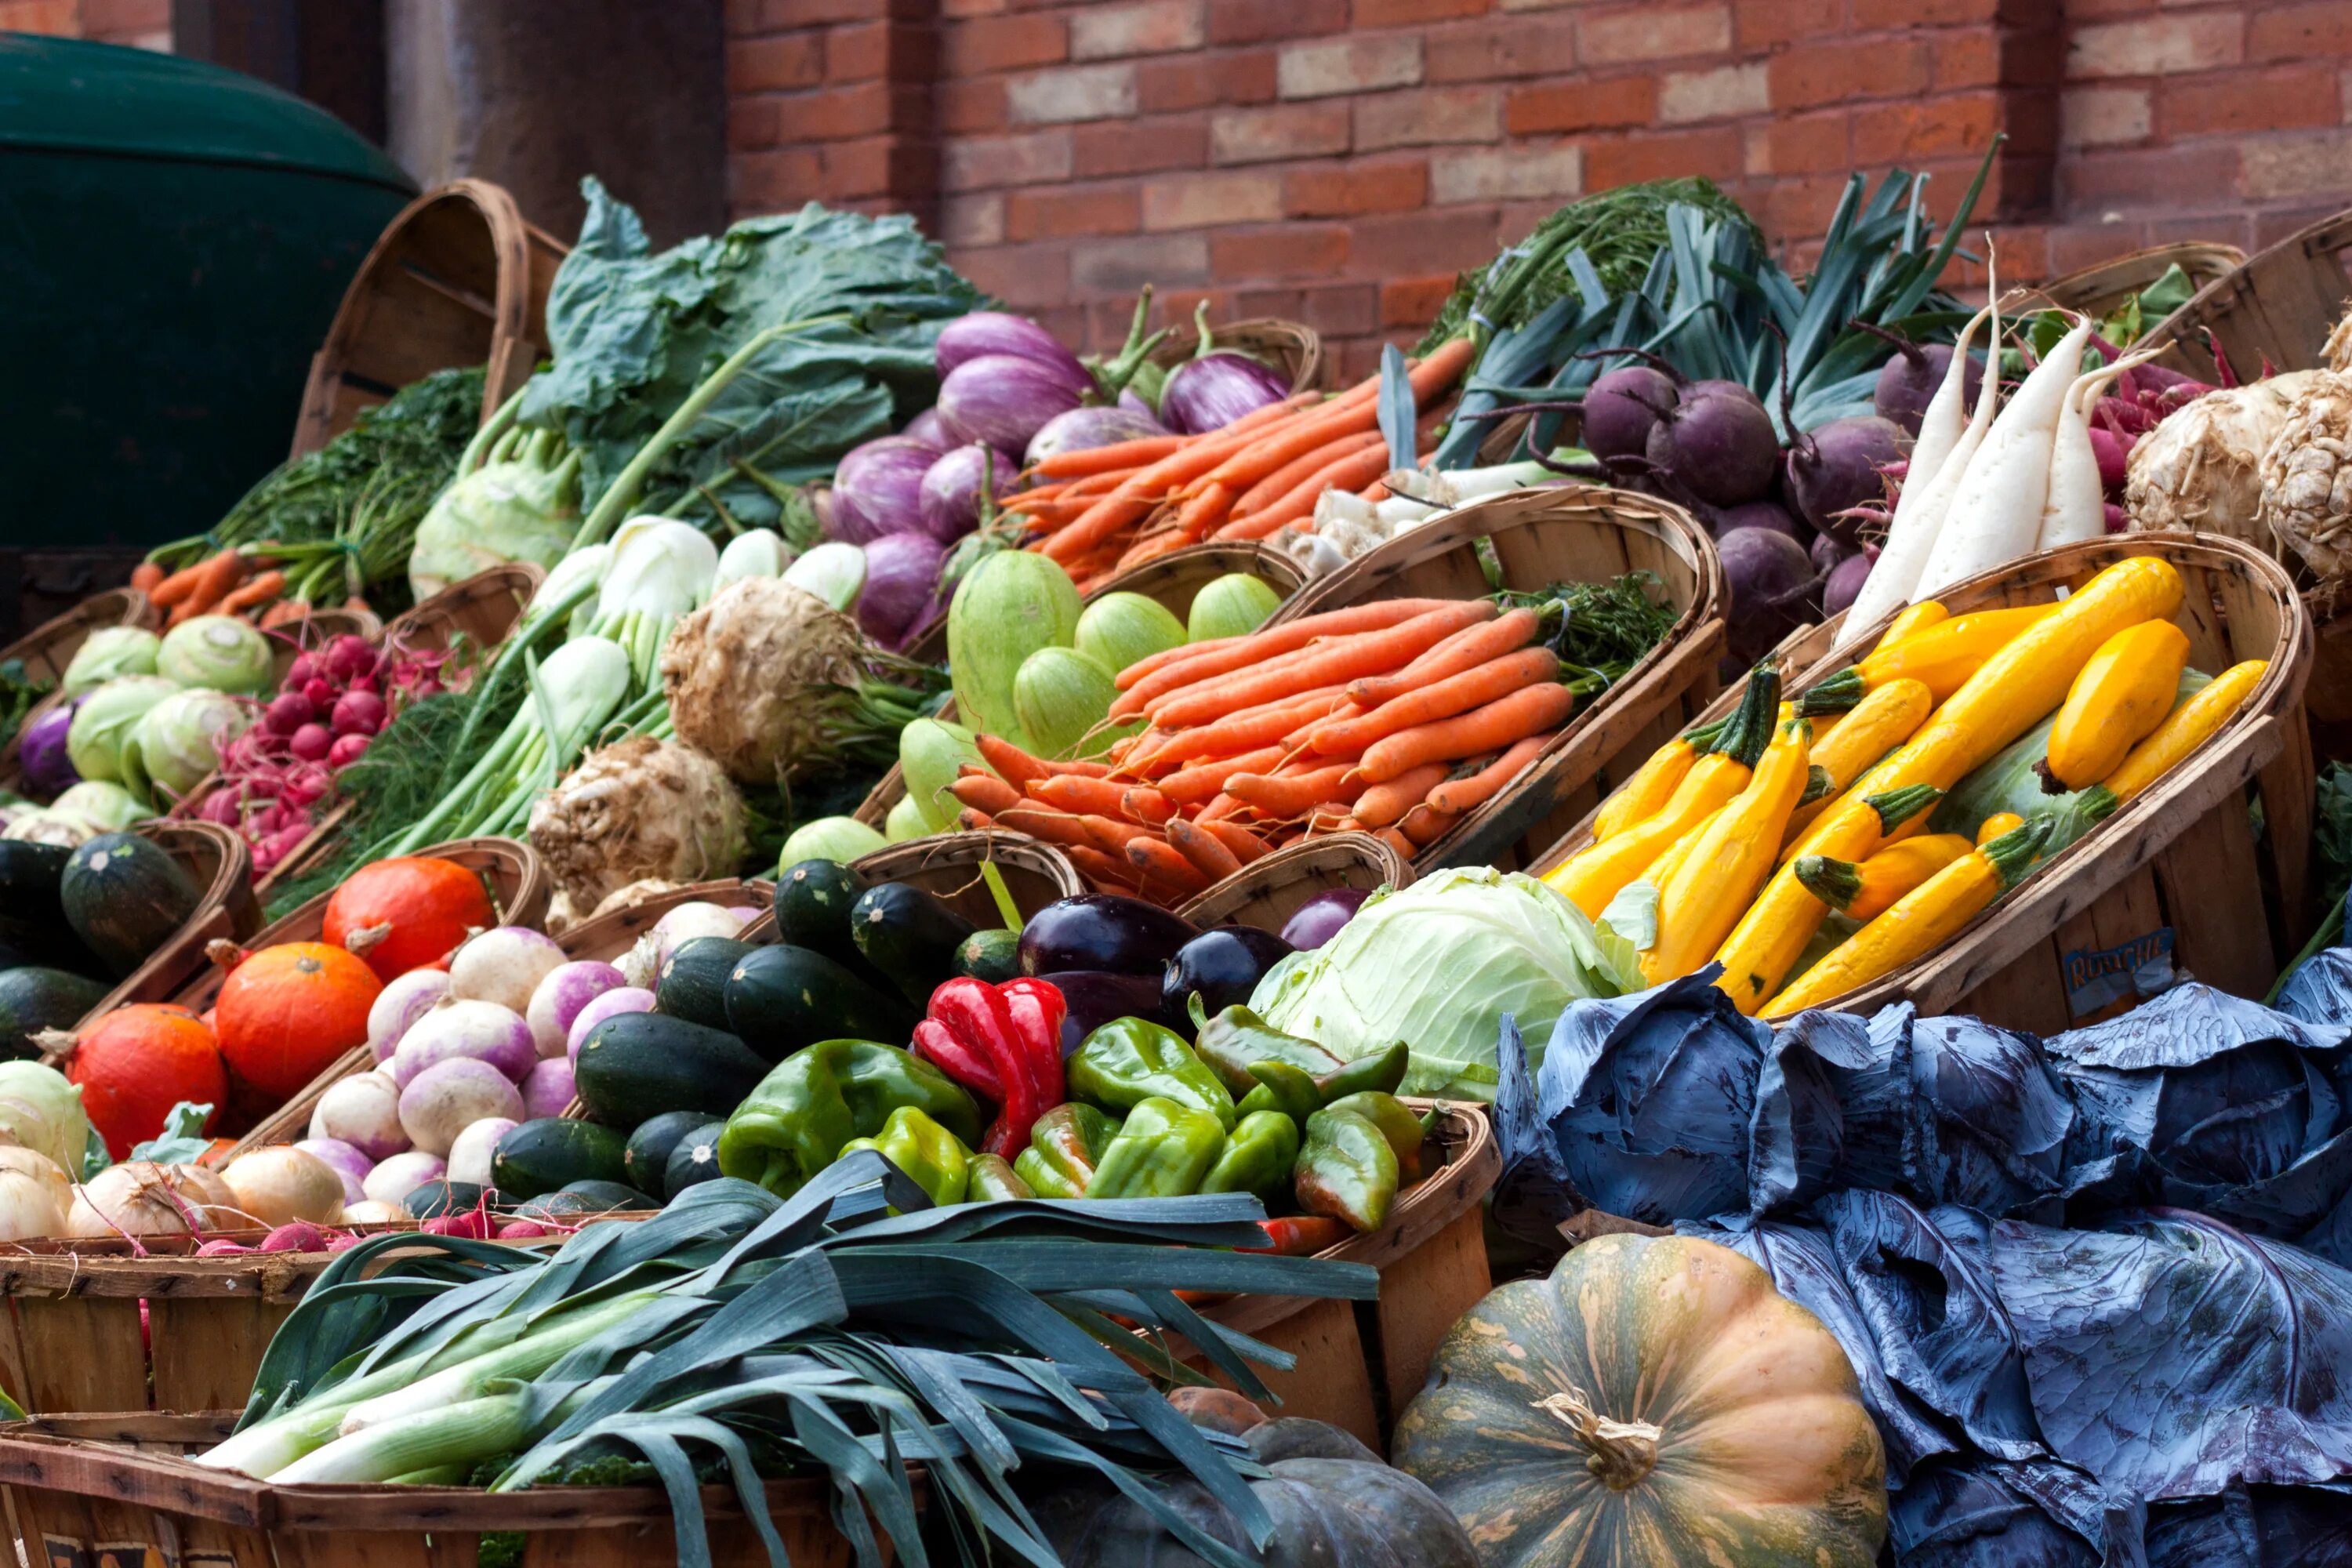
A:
x: 1318, y: 919
x: 1221, y: 967
x: 877, y: 488
x: 930, y: 430
x: 48, y: 772
x: 902, y: 570
x: 985, y: 332
x: 949, y: 500
x: 1004, y: 400
x: 1103, y: 931
x: 1212, y: 391
x: 1082, y: 428
x: 1096, y: 997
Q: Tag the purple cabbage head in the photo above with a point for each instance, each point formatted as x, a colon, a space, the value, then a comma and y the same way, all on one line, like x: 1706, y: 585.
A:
x: 1211, y: 392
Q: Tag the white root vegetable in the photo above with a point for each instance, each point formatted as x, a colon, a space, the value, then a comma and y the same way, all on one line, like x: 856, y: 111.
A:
x: 33, y: 1195
x: 362, y: 1110
x: 280, y: 1185
x: 1920, y: 509
x: 469, y: 1155
x: 401, y: 1175
x: 372, y: 1211
x: 145, y: 1199
x: 449, y: 1097
x: 2074, y: 506
x: 503, y: 965
x: 346, y: 1161
x: 1995, y: 514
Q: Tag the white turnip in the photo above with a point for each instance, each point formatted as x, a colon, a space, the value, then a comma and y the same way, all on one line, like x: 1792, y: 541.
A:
x: 549, y: 1088
x: 469, y: 1155
x: 612, y: 1004
x: 374, y: 1211
x: 484, y: 1031
x: 503, y: 965
x: 567, y: 988
x: 402, y: 1174
x: 346, y: 1161
x: 449, y: 1097
x: 362, y: 1110
x: 401, y: 1002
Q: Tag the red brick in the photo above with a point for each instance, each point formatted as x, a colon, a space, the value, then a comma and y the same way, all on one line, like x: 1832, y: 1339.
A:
x: 1625, y: 160
x: 1716, y: 93
x: 2280, y: 100
x: 1067, y: 322
x: 115, y: 21
x: 1101, y: 31
x: 1341, y: 191
x: 1071, y: 92
x: 972, y: 220
x: 742, y: 16
x: 770, y: 181
x: 1553, y: 174
x: 900, y: 170
x: 1796, y: 207
x: 1294, y: 250
x: 1196, y: 82
x: 1264, y: 21
x: 962, y: 105
x: 1342, y: 307
x: 1648, y: 33
x: 1432, y: 115
x: 1411, y: 13
x: 1205, y: 200
x: 1329, y: 68
x: 1353, y: 360
x: 862, y: 109
x: 1815, y: 74
x: 1874, y: 14
x: 984, y: 163
x: 752, y: 123
x: 2316, y: 29
x: 1581, y: 106
x: 1806, y: 144
x: 2089, y: 10
x: 1288, y: 131
x: 772, y: 65
x: 1887, y: 132
x: 1001, y: 43
x: 1757, y: 24
x: 1964, y: 57
x: 1136, y: 147
x: 1534, y: 46
x: 897, y: 49
x: 957, y: 10
x: 2067, y: 249
x: 1062, y: 213
x: 1412, y: 244
x: 1283, y: 304
x: 2155, y: 46
x: 1019, y: 274
x: 2096, y: 179
x: 1413, y: 301
x: 2307, y: 164
x: 1123, y: 266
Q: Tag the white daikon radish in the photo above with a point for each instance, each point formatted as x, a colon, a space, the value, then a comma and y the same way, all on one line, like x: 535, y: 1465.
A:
x: 1919, y: 510
x: 1995, y: 514
x: 2076, y: 507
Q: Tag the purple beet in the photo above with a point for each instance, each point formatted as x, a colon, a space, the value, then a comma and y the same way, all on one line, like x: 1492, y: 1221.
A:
x: 1845, y: 583
x: 1772, y: 586
x: 1910, y: 380
x: 1762, y: 512
x: 1828, y: 552
x: 1619, y: 409
x: 1833, y: 467
x: 1717, y: 443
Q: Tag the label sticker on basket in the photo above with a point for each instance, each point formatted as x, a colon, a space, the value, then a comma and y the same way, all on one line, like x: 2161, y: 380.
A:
x: 2140, y: 967
x: 64, y: 1554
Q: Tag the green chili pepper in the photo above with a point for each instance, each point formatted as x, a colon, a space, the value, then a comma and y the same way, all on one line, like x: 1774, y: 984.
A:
x: 1128, y: 1060
x: 1278, y: 1086
x: 816, y: 1100
x: 1237, y: 1039
x: 1397, y: 1123
x: 992, y: 1181
x: 1257, y: 1158
x: 1379, y: 1071
x: 1346, y: 1170
x: 933, y: 1158
x: 1065, y: 1144
x: 1162, y: 1151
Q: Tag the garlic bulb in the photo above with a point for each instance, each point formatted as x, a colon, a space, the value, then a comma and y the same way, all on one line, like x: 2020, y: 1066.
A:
x: 2201, y: 468
x: 2308, y: 476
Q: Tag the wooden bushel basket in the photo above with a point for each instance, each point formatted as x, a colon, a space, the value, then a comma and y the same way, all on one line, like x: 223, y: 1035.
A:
x: 2175, y: 882
x: 606, y: 937
x: 93, y: 1489
x: 2096, y: 291
x: 51, y: 647
x: 946, y: 865
x: 1292, y: 348
x: 1268, y: 892
x: 2281, y: 305
x: 1571, y: 533
x: 457, y: 279
x: 481, y: 610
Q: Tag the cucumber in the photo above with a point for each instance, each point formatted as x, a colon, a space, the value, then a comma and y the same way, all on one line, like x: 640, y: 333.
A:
x: 636, y: 1065
x: 784, y: 997
x: 33, y: 999
x: 539, y: 1156
x: 435, y: 1199
x: 694, y: 1161
x: 610, y: 1197
x: 646, y: 1158
x: 813, y: 902
x: 909, y: 936
x: 558, y: 1207
x: 991, y: 953
x: 124, y: 897
x: 692, y: 984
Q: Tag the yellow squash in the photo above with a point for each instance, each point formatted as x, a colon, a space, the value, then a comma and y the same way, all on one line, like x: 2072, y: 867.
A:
x: 1999, y: 823
x: 1653, y: 784
x: 1919, y: 923
x: 1942, y: 657
x: 1865, y: 892
x: 2122, y: 695
x: 2190, y: 725
x: 1711, y: 887
x: 1864, y: 733
x: 1917, y: 618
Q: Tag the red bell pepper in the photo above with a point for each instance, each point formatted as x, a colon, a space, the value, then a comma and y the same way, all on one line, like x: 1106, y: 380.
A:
x: 1000, y: 1041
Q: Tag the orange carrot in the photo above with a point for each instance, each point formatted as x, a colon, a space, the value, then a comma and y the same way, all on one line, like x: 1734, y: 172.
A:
x: 1302, y: 1235
x: 1204, y: 512
x: 1015, y: 766
x: 1469, y: 792
x: 1143, y: 489
x: 1143, y: 804
x: 1353, y: 411
x: 1081, y: 770
x: 1526, y: 711
x: 1292, y: 796
x: 1204, y: 849
x: 1384, y: 804
x: 1397, y: 841
x: 1109, y: 836
x: 283, y: 611
x: 1223, y: 808
x: 986, y: 792
x: 1283, y: 480
x: 1421, y: 825
x: 1102, y: 869
x: 1297, y: 738
x: 217, y: 577
x: 1159, y: 862
x: 1240, y: 653
x: 179, y: 584
x: 1153, y: 663
x: 1465, y: 649
x: 1054, y: 826
x: 147, y: 577
x: 1150, y: 547
x: 250, y: 595
x: 1246, y: 845
x: 1440, y: 699
x: 1068, y: 791
x: 1204, y: 780
x: 973, y: 820
x: 1344, y: 473
x: 1344, y: 659
x: 1102, y: 459
x: 1249, y: 729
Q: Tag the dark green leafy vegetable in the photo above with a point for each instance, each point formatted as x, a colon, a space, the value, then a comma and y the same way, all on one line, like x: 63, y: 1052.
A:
x: 19, y: 693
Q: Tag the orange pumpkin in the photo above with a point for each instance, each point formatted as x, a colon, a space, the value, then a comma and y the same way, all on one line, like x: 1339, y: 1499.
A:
x: 405, y: 913
x: 136, y: 1063
x: 288, y: 1012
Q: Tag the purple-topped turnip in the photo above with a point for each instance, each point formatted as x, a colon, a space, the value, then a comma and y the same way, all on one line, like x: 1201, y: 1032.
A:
x: 877, y: 489
x: 1005, y: 400
x: 505, y: 965
x: 560, y: 995
x: 481, y: 1031
x: 1621, y: 407
x: 947, y: 503
x: 400, y: 1004
x: 362, y: 1110
x: 1772, y: 586
x: 985, y: 332
x: 1716, y: 442
x: 1834, y: 467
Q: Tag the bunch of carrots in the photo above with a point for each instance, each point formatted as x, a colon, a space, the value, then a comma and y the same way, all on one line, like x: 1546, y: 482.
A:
x: 1106, y: 510
x: 1395, y: 718
x: 225, y: 582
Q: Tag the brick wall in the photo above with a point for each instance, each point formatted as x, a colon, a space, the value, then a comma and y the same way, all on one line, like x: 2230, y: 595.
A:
x: 143, y: 24
x: 1337, y: 160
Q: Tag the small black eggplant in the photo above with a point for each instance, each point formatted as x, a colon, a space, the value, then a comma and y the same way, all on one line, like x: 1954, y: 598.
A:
x: 1221, y: 966
x: 1105, y: 932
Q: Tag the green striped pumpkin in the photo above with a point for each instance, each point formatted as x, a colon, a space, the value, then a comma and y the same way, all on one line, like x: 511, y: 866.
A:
x: 1654, y: 1403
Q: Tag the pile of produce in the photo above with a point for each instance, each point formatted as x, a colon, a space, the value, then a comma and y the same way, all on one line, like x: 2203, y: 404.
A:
x: 2008, y: 734
x: 73, y: 923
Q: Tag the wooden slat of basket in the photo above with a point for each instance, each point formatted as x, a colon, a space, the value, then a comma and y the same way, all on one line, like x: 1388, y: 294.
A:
x: 49, y: 648
x: 1292, y: 348
x: 2280, y: 305
x: 482, y: 609
x: 1268, y: 892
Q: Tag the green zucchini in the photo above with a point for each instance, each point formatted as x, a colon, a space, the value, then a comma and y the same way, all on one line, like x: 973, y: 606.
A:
x: 435, y: 1199
x: 636, y: 1065
x: 692, y: 984
x: 909, y: 936
x: 784, y: 997
x: 33, y: 999
x: 2009, y: 782
x: 812, y: 900
x: 612, y: 1197
x: 539, y: 1156
x: 646, y: 1159
x: 124, y: 897
x: 694, y: 1161
x: 991, y: 953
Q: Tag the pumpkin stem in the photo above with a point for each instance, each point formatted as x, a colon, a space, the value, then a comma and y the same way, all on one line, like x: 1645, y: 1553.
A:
x: 1620, y: 1453
x: 59, y: 1043
x: 359, y: 940
x: 225, y: 953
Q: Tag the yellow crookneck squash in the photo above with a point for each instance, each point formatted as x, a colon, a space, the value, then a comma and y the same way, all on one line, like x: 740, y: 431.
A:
x: 1654, y: 1403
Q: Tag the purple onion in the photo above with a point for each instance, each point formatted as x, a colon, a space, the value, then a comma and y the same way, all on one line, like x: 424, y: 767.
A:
x: 42, y: 751
x: 549, y: 1087
x: 950, y: 503
x: 930, y: 430
x: 1318, y: 919
x: 1004, y: 400
x: 483, y: 1031
x: 1083, y: 428
x: 985, y: 332
x: 610, y: 1004
x: 877, y: 488
x: 901, y: 570
x: 567, y: 988
x: 1211, y: 392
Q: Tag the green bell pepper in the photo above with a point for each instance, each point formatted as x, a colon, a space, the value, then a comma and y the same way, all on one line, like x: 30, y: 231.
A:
x: 1065, y: 1144
x: 1128, y: 1062
x: 1397, y: 1123
x: 933, y: 1158
x: 1278, y: 1086
x: 1377, y: 1071
x: 992, y: 1181
x: 1347, y: 1169
x: 1257, y: 1158
x: 1162, y: 1151
x: 816, y: 1100
x: 1237, y: 1039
